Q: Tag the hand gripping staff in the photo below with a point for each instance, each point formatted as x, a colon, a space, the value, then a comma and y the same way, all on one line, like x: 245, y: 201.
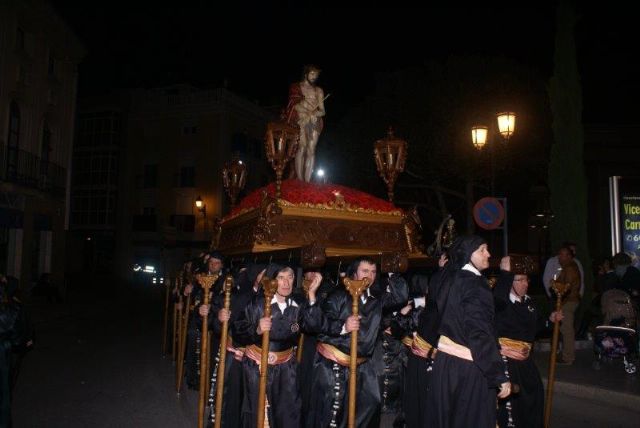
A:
x: 269, y: 286
x: 355, y: 288
x: 226, y: 288
x: 206, y: 281
x: 560, y: 289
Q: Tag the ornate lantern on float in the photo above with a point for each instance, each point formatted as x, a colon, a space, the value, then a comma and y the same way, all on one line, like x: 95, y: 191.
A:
x: 234, y: 177
x: 390, y: 154
x: 281, y: 144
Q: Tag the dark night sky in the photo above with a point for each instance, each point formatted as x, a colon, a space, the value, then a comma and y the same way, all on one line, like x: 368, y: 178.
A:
x: 260, y: 49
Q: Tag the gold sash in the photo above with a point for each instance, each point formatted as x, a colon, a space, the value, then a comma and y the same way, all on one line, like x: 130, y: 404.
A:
x: 514, y: 349
x: 332, y: 353
x: 255, y: 353
x: 450, y: 347
x: 421, y: 347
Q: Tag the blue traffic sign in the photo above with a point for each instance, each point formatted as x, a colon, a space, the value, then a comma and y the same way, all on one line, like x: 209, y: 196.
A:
x: 488, y: 213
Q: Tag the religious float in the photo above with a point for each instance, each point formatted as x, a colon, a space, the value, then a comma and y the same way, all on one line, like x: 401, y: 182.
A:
x: 313, y: 222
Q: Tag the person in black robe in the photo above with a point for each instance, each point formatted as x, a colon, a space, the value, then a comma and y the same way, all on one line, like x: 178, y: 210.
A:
x: 517, y: 323
x: 213, y: 264
x: 282, y: 395
x: 421, y: 325
x: 13, y: 336
x: 319, y: 289
x: 246, y: 285
x: 329, y: 398
x: 468, y: 369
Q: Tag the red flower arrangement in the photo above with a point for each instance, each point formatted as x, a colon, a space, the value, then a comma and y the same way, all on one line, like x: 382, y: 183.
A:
x: 301, y: 192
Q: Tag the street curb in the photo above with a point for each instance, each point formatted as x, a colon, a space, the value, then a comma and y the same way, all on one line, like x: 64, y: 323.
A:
x: 603, y: 396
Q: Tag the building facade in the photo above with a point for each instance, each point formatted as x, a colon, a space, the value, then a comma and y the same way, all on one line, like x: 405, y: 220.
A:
x: 39, y: 56
x: 143, y: 159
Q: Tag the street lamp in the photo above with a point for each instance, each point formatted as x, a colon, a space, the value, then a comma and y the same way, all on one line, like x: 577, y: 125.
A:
x: 202, y: 207
x: 480, y: 134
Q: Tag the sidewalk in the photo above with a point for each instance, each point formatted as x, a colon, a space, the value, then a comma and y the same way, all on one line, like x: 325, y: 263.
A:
x: 610, y: 385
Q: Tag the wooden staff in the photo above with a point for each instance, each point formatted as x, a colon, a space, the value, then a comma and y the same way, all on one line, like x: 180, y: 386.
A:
x: 560, y: 289
x: 178, y: 316
x: 305, y: 286
x: 174, y: 328
x: 166, y: 320
x: 269, y: 286
x: 355, y: 288
x: 206, y: 281
x: 228, y: 285
x: 183, y: 342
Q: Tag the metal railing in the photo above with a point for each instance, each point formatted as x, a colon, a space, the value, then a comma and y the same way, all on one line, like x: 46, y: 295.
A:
x: 26, y: 169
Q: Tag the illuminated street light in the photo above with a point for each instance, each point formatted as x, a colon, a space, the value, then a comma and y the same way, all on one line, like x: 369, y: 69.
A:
x: 480, y: 135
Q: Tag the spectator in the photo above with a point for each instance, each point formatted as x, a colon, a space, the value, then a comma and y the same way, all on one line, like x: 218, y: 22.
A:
x: 553, y: 267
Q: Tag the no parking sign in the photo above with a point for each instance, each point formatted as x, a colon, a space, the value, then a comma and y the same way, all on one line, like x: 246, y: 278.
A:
x: 488, y: 213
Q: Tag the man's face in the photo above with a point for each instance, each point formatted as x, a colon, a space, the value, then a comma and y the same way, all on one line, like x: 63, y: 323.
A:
x: 312, y: 76
x: 480, y: 257
x: 520, y: 285
x: 366, y: 270
x: 214, y: 265
x: 564, y: 256
x: 285, y: 282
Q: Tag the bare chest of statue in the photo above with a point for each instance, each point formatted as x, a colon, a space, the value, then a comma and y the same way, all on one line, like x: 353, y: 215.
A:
x: 310, y: 94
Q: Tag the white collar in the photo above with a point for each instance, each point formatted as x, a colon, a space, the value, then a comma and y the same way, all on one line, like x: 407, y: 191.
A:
x: 514, y: 298
x: 287, y: 301
x: 471, y: 268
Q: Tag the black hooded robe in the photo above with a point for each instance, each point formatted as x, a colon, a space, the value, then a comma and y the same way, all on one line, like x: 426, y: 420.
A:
x: 331, y: 380
x: 233, y: 390
x: 282, y: 393
x: 519, y: 321
x: 463, y: 393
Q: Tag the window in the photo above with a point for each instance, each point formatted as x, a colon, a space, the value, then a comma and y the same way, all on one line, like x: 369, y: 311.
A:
x: 189, y: 127
x: 149, y: 211
x: 13, y: 140
x: 150, y: 176
x: 183, y: 223
x: 188, y: 176
x: 99, y: 129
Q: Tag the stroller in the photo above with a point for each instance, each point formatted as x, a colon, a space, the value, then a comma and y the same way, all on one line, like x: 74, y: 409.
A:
x: 618, y: 337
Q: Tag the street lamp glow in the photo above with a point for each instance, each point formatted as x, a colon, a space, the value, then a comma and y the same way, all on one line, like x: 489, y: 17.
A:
x: 479, y: 136
x: 199, y: 203
x: 506, y: 124
x: 320, y: 173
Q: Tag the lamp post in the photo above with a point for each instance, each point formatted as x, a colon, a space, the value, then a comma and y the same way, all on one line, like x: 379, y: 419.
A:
x: 390, y: 154
x: 202, y: 207
x: 480, y: 134
x: 234, y: 178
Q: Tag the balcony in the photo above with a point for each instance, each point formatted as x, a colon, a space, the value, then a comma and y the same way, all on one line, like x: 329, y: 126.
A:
x: 26, y: 169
